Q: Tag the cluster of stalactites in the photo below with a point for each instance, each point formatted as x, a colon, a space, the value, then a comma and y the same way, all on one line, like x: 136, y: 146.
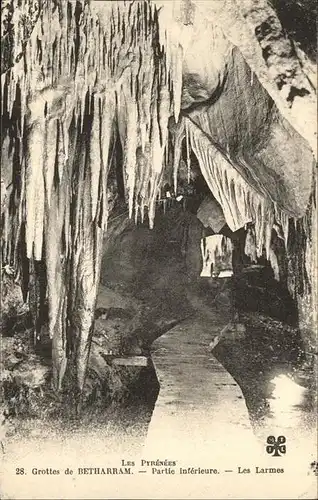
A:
x: 241, y: 204
x: 132, y: 77
x: 85, y: 74
x: 77, y: 54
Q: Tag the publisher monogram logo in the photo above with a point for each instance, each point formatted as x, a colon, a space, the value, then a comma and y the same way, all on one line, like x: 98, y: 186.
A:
x: 276, y: 447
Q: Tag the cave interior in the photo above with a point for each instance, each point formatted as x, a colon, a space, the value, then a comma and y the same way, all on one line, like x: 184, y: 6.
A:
x: 147, y: 148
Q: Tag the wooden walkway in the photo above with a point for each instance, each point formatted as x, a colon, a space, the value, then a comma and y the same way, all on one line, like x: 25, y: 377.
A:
x: 200, y: 412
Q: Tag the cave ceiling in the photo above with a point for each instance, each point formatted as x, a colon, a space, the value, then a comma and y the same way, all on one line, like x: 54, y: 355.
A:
x: 232, y: 95
x: 238, y: 75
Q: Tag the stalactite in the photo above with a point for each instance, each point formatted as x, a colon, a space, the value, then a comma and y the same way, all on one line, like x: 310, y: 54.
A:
x: 72, y: 67
x: 283, y: 220
x: 178, y: 136
x: 177, y: 59
x: 188, y: 151
x: 241, y: 204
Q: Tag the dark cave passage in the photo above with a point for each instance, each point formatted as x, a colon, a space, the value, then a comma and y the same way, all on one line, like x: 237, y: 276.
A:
x: 159, y: 271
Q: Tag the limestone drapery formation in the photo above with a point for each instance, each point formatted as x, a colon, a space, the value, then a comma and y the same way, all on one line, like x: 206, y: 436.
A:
x: 79, y: 76
x: 61, y: 98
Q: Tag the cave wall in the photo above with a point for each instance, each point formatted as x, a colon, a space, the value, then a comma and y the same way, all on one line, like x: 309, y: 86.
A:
x: 303, y: 272
x: 283, y: 68
x: 140, y: 261
x: 153, y: 269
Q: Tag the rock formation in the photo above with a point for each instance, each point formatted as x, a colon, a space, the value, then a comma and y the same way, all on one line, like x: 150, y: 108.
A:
x: 78, y: 78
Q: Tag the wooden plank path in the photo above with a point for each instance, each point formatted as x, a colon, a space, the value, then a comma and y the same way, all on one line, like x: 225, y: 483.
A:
x: 200, y: 411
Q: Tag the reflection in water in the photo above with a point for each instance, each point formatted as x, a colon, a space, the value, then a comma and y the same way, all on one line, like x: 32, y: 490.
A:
x: 281, y: 401
x: 286, y: 401
x: 278, y: 394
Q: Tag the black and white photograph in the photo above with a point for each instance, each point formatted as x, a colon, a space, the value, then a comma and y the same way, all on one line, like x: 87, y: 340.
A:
x: 159, y: 250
